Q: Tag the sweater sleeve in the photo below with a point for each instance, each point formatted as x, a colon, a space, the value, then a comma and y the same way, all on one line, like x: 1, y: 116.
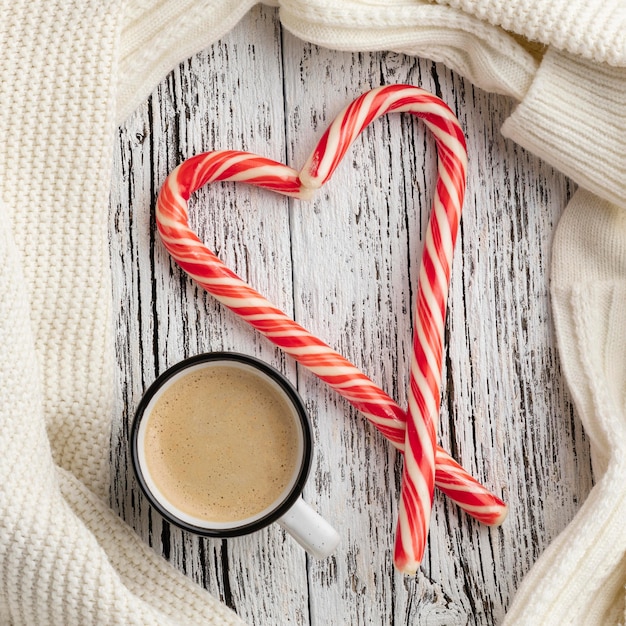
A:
x: 574, y: 117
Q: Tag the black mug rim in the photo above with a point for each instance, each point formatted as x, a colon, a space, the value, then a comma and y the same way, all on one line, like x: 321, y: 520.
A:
x: 307, y: 436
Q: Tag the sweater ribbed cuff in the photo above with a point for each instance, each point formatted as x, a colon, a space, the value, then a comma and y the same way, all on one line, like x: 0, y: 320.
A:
x: 574, y: 117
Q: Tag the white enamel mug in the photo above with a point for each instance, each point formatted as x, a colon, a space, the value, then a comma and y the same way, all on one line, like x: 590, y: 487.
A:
x: 288, y: 508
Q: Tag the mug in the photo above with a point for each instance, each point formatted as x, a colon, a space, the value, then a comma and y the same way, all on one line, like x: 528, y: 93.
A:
x: 221, y: 445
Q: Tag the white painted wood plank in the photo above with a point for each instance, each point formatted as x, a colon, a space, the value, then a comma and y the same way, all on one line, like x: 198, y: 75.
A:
x: 346, y: 266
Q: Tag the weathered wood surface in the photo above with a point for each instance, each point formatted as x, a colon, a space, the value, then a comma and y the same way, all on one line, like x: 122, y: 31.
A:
x: 345, y: 266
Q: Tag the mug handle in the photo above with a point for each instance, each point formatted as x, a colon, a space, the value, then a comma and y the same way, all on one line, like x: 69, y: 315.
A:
x: 310, y: 529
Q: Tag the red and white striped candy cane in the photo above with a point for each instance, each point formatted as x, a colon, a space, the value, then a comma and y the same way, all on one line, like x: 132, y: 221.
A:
x: 208, y: 271
x: 432, y: 289
x: 213, y: 275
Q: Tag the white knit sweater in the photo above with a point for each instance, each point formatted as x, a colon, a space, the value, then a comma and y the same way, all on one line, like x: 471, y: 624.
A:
x: 70, y: 72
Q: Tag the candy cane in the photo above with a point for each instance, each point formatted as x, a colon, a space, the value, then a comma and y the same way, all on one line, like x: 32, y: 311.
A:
x: 426, y: 363
x: 208, y: 271
x: 203, y: 266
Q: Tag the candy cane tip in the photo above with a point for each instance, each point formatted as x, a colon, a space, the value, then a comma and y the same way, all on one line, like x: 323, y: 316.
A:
x: 309, y: 181
x: 498, y: 521
x: 305, y: 193
x: 406, y: 568
x: 406, y: 562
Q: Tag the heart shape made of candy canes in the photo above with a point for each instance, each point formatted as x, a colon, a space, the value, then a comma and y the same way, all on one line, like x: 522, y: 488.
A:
x: 413, y: 431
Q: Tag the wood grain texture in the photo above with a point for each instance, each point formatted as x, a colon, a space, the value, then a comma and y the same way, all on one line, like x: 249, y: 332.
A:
x: 345, y: 266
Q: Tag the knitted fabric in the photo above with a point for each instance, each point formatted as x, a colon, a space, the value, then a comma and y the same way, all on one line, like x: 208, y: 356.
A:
x: 65, y: 558
x: 69, y: 73
x: 591, y: 30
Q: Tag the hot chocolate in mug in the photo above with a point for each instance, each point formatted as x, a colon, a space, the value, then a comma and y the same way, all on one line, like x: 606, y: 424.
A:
x: 222, y: 446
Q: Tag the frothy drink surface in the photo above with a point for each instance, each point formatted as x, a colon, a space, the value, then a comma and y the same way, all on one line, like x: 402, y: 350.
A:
x: 221, y: 443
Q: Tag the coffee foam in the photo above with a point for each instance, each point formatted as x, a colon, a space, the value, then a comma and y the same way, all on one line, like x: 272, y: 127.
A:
x: 221, y: 443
